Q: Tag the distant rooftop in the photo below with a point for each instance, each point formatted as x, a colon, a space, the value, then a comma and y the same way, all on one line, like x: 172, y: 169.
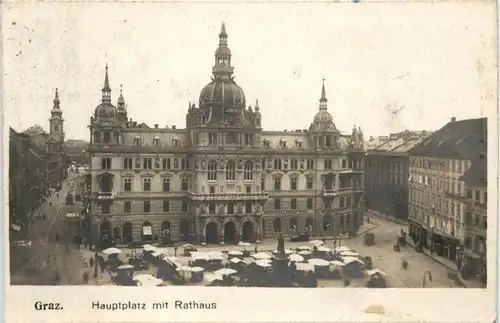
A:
x: 463, y: 139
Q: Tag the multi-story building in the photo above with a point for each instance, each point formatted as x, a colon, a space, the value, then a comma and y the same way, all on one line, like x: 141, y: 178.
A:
x: 222, y: 178
x: 28, y: 186
x: 386, y: 173
x: 76, y: 151
x: 473, y: 260
x: 438, y: 194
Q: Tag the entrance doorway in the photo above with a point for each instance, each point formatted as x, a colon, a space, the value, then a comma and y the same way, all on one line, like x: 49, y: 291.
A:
x: 230, y: 232
x: 247, y: 231
x: 185, y: 232
x: 127, y: 232
x: 211, y: 233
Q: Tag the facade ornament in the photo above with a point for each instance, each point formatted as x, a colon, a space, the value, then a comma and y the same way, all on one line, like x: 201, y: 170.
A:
x: 196, y: 164
x: 302, y: 164
x: 137, y: 162
x: 240, y: 164
x: 221, y: 209
x: 157, y: 162
x: 285, y: 164
x: 203, y: 164
x: 240, y: 208
x: 203, y: 209
x: 176, y: 163
x: 269, y: 164
x: 257, y: 164
x: 222, y: 163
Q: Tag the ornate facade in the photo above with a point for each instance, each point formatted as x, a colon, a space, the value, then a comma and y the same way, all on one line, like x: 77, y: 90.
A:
x: 222, y: 178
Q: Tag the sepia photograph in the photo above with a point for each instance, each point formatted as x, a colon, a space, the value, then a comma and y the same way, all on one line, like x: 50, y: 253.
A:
x: 315, y: 145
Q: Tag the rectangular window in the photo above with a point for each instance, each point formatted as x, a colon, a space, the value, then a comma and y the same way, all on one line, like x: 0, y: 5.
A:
x: 277, y: 164
x: 105, y: 209
x: 293, y: 184
x: 293, y: 204
x: 147, y: 206
x: 230, y: 208
x: 166, y: 206
x: 127, y: 163
x: 309, y: 203
x: 248, y: 189
x: 277, y: 204
x: 248, y: 207
x: 310, y: 164
x: 105, y: 163
x: 166, y: 184
x: 184, y: 207
x: 211, y: 208
x: 147, y: 184
x: 277, y: 184
x: 295, y: 164
x: 147, y: 163
x: 183, y: 164
x: 212, y: 189
x: 262, y: 184
x: 341, y: 202
x: 309, y: 183
x: 478, y: 196
x: 127, y: 207
x: 127, y: 185
x: 185, y: 184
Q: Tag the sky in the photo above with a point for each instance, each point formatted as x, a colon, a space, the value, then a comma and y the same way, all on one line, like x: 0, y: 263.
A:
x: 387, y: 66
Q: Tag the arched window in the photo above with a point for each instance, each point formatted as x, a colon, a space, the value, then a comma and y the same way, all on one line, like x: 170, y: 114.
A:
x: 230, y: 167
x: 248, y: 175
x: 212, y: 171
x: 97, y: 137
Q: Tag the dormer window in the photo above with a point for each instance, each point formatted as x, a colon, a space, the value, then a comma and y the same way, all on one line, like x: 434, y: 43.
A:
x: 137, y: 141
x: 106, y: 137
x: 299, y: 143
x: 156, y: 141
x: 175, y: 141
x: 283, y: 143
x: 267, y: 143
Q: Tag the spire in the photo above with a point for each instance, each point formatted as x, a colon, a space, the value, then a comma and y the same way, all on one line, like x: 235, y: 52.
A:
x: 106, y: 80
x: 56, y: 99
x: 121, y: 99
x: 106, y: 90
x: 323, y: 100
x: 222, y: 67
x: 257, y: 108
x: 223, y: 35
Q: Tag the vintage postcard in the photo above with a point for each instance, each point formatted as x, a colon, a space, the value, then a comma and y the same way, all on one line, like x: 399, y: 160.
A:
x: 250, y: 162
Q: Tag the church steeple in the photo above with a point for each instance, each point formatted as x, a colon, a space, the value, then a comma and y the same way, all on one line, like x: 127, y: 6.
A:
x: 323, y: 100
x: 222, y: 67
x: 56, y: 108
x: 106, y: 90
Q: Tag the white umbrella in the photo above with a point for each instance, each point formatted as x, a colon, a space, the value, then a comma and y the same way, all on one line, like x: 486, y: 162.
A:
x: 261, y: 255
x: 303, y: 248
x: 150, y: 282
x: 188, y: 245
x: 184, y: 268
x: 349, y: 254
x: 149, y: 247
x: 349, y: 260
x: 156, y: 254
x: 225, y: 271
x: 304, y: 266
x: 263, y: 263
x: 235, y: 253
x: 112, y: 251
x: 287, y: 251
x: 337, y: 263
x: 317, y: 243
x: 324, y: 249
x: 295, y: 257
x: 343, y: 248
x: 215, y: 254
x: 376, y: 271
x: 197, y: 269
x: 244, y: 244
x: 123, y: 267
x: 235, y: 260
x: 163, y: 251
x: 143, y: 277
x: 318, y: 262
x: 304, y: 252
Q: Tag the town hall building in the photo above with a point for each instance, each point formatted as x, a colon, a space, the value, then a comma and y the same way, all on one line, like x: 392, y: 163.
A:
x: 222, y: 178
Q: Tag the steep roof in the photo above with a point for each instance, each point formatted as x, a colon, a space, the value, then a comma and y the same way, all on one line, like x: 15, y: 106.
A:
x: 463, y: 139
x: 476, y: 175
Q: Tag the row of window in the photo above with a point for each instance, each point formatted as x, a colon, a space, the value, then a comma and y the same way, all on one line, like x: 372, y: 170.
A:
x: 477, y: 220
x: 146, y: 184
x: 385, y: 165
x: 450, y: 165
x: 147, y: 163
x: 127, y: 207
x: 326, y: 223
x: 231, y: 138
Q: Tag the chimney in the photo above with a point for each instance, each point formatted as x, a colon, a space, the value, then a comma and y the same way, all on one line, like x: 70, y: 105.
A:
x: 298, y: 130
x: 156, y: 126
x: 173, y: 127
x: 284, y: 130
x: 130, y: 120
x: 453, y: 119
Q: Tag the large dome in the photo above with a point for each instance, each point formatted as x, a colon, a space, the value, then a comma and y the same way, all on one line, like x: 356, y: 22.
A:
x: 323, y: 121
x: 105, y: 110
x: 222, y: 91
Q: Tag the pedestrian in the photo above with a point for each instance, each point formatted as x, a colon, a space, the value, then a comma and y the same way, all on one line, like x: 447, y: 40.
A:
x: 175, y: 251
x: 91, y: 262
x: 57, y: 236
x: 86, y: 277
x: 256, y: 249
x: 368, y: 219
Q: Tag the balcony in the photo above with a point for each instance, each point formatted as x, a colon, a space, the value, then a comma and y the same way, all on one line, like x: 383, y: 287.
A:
x: 105, y: 195
x: 334, y: 192
x: 257, y: 196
